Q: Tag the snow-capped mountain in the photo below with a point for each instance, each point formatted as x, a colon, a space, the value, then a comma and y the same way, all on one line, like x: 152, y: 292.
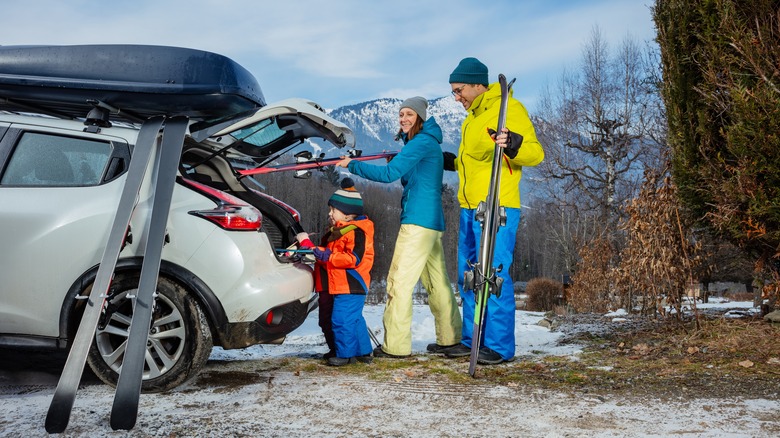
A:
x: 375, y: 123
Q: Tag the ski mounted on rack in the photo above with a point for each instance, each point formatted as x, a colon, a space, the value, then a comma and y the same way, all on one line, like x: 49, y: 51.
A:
x: 306, y: 162
x: 62, y: 403
x: 128, y: 388
x: 483, y: 278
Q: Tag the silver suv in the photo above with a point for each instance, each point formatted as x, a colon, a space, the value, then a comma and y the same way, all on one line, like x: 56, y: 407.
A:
x: 222, y: 279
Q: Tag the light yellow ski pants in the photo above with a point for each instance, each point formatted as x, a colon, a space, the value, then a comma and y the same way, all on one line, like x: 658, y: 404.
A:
x: 418, y: 255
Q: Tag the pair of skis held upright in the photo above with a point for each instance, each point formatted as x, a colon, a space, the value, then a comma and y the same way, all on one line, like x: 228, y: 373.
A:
x: 125, y: 408
x: 482, y: 279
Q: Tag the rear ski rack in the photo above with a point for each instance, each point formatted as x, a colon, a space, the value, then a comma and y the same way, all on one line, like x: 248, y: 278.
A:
x: 62, y: 402
x: 128, y: 388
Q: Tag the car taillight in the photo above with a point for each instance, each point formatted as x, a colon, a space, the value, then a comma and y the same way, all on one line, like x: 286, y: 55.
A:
x: 233, y: 217
x: 231, y: 212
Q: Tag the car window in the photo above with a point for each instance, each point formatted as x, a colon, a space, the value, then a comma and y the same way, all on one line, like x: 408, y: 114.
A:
x: 51, y: 160
x: 260, y: 134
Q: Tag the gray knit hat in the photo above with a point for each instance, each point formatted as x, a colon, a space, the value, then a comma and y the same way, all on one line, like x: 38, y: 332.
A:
x: 417, y: 104
x: 470, y: 71
x: 347, y: 199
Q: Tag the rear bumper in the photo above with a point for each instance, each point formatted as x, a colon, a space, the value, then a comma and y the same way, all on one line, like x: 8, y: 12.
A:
x: 270, y: 328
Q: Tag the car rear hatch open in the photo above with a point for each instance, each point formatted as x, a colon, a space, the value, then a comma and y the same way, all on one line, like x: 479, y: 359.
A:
x: 255, y: 140
x: 277, y: 128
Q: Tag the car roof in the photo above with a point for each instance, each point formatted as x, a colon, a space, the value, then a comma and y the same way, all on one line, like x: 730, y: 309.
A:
x: 132, y: 82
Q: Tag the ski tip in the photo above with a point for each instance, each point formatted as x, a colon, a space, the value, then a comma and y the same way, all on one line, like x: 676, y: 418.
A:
x: 125, y: 423
x: 55, y: 425
x: 502, y: 79
x: 473, y: 364
x: 58, y: 416
x: 124, y: 414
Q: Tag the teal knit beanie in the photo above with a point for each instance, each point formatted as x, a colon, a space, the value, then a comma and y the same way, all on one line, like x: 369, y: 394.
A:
x: 470, y: 71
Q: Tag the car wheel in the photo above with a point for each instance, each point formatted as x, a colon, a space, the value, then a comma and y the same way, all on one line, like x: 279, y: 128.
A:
x: 179, y: 338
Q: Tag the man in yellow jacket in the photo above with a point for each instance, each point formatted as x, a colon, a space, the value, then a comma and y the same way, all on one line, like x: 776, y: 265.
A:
x: 470, y: 87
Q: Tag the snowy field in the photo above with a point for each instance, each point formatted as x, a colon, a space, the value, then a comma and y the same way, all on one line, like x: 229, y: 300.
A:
x: 308, y: 339
x: 273, y: 401
x: 531, y: 338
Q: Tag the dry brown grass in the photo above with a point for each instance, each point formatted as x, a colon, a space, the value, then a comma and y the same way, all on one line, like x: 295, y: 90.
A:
x: 724, y: 358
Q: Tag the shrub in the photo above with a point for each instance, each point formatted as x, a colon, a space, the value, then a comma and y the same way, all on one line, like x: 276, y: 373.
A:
x: 592, y: 283
x: 543, y: 294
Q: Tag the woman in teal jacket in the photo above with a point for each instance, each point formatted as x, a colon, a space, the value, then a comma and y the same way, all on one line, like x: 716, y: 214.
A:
x: 418, y: 254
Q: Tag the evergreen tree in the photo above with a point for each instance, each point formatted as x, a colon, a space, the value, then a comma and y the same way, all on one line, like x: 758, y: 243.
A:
x: 721, y: 69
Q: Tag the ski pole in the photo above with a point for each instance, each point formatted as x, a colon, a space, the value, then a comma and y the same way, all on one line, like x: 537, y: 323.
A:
x: 373, y: 337
x: 299, y: 251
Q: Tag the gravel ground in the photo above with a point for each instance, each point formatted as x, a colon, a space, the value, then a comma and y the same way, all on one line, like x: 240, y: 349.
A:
x: 423, y: 396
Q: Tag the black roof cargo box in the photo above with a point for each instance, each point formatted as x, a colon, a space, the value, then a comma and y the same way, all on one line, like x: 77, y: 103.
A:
x: 132, y: 81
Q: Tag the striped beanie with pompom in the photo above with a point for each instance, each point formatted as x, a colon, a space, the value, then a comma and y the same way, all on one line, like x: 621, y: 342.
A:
x: 347, y: 199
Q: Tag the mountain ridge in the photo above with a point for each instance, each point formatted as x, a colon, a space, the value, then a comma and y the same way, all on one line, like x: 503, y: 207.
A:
x: 375, y: 122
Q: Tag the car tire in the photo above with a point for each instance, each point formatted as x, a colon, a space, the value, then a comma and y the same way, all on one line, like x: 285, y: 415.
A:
x: 180, y: 339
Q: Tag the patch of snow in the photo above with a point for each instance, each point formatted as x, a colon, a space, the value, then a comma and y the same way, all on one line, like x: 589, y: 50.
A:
x: 531, y: 339
x: 618, y: 312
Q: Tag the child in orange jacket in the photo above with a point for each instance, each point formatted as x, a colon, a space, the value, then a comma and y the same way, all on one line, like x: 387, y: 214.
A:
x: 342, y: 276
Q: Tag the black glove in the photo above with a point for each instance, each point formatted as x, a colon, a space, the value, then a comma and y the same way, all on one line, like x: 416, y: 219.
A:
x: 449, y: 160
x: 514, y: 141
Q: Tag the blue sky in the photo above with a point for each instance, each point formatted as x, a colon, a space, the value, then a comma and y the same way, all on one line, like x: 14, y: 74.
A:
x: 342, y: 52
